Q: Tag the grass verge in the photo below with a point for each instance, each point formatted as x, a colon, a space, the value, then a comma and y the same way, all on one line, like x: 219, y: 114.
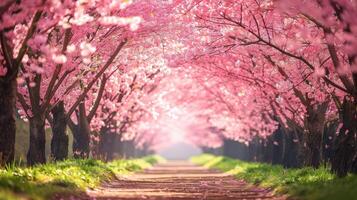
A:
x: 66, y: 177
x: 304, y: 183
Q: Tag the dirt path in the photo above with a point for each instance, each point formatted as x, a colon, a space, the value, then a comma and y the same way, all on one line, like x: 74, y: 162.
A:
x: 179, y: 180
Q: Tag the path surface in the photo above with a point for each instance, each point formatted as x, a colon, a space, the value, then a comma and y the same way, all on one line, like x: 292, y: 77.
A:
x: 179, y: 180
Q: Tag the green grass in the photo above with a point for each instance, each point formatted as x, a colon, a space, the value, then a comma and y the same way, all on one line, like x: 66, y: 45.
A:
x: 67, y: 177
x: 304, y: 183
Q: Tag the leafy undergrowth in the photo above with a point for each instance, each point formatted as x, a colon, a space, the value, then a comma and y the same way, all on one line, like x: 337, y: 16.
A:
x: 304, y: 183
x: 66, y: 177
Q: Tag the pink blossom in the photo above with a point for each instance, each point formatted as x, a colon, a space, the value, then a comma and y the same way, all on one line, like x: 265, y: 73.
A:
x: 86, y: 49
x: 3, y: 71
x: 59, y: 58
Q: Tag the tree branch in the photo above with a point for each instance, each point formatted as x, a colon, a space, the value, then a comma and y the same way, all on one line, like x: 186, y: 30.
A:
x: 30, y: 33
x: 23, y: 103
x: 98, y: 99
x: 8, y: 55
x: 51, y: 89
x: 99, y: 74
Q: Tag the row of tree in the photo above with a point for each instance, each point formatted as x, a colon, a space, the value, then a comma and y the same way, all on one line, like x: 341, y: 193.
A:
x: 79, y: 65
x: 276, y: 76
x: 284, y: 75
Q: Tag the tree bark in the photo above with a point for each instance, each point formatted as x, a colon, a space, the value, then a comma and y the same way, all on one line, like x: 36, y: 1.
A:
x: 278, y: 147
x: 106, y: 144
x: 81, y: 135
x: 345, y: 147
x: 328, y: 140
x: 253, y: 149
x: 8, y: 91
x: 230, y: 149
x: 81, y: 143
x: 290, y: 157
x: 313, y: 150
x: 37, y: 151
x: 267, y: 150
x: 315, y: 125
x: 59, y: 142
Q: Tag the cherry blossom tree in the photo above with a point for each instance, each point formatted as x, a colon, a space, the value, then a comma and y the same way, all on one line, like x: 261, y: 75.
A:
x: 44, y: 72
x: 268, y: 75
x: 335, y: 20
x: 12, y: 14
x: 47, y: 60
x: 256, y: 46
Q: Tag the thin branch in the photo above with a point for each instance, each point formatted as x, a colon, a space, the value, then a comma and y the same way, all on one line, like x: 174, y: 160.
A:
x: 50, y: 89
x: 98, y: 75
x: 23, y: 103
x: 98, y: 99
x: 30, y: 33
x: 59, y: 82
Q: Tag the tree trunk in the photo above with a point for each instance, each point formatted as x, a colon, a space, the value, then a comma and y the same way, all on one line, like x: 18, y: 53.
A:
x: 119, y: 147
x: 81, y: 142
x: 81, y: 135
x: 268, y: 150
x: 8, y: 91
x: 345, y: 147
x: 291, y: 153
x: 95, y: 149
x: 253, y: 149
x: 315, y: 124
x: 313, y: 150
x: 129, y: 149
x: 59, y: 142
x: 328, y: 140
x: 37, y: 151
x: 106, y: 144
x: 102, y: 154
x: 110, y: 150
x: 278, y: 147
x: 233, y: 149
